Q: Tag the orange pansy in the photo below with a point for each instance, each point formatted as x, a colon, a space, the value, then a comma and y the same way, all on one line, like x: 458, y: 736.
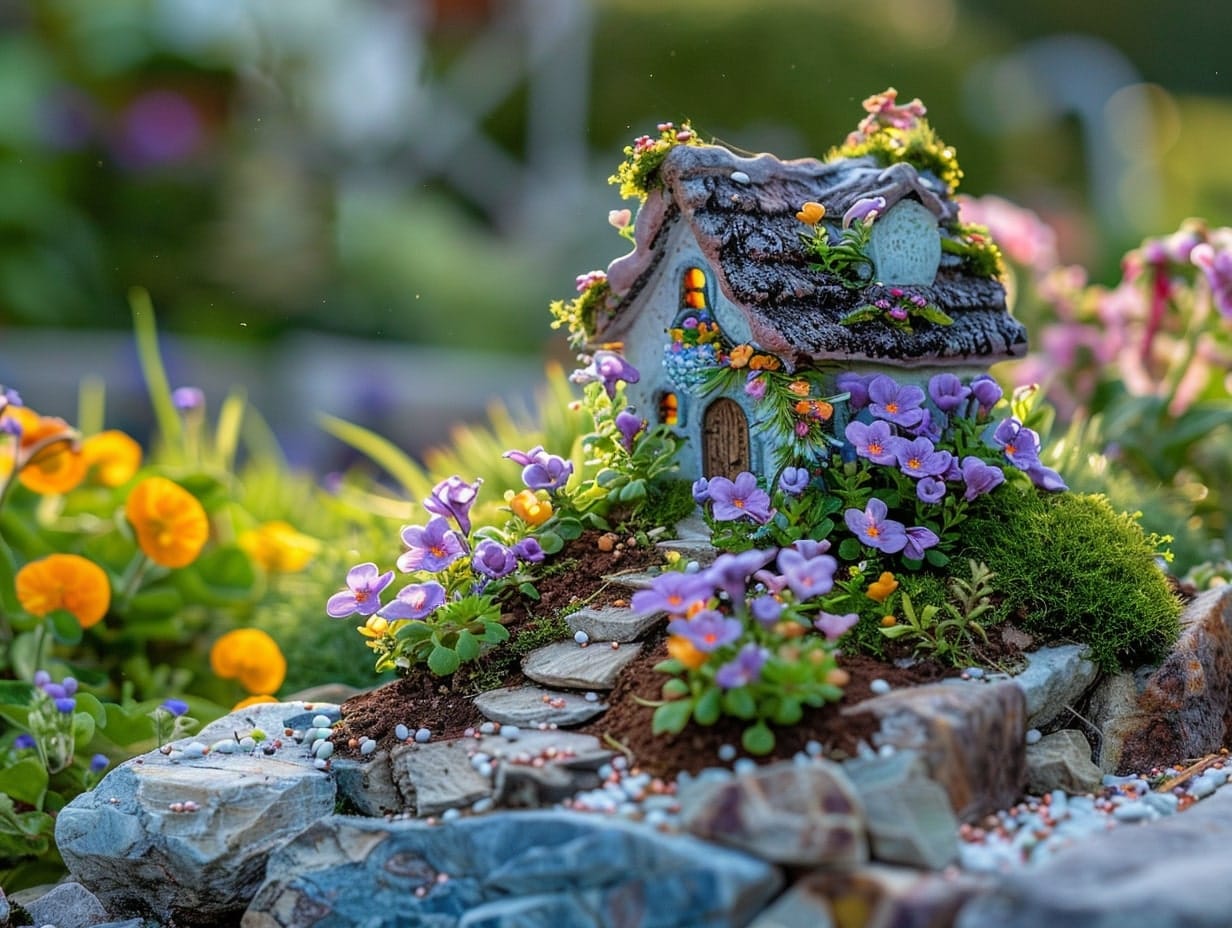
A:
x: 530, y: 509
x: 170, y: 522
x: 683, y: 650
x: 881, y: 588
x: 111, y: 457
x: 250, y: 656
x: 277, y: 547
x: 49, y: 459
x: 64, y: 581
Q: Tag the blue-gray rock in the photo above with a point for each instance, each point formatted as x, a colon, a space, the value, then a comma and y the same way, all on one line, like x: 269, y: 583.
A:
x: 908, y: 816
x: 1062, y: 760
x: 5, y: 908
x: 511, y: 868
x: 529, y: 705
x: 367, y: 785
x: 1167, y: 873
x: 66, y: 905
x: 613, y: 623
x: 566, y: 664
x: 187, y: 842
x: 1054, y: 682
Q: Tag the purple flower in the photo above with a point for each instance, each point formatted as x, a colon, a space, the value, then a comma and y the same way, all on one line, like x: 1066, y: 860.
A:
x: 66, y: 704
x: 1217, y: 266
x: 733, y: 500
x: 987, y: 392
x: 807, y: 576
x: 926, y: 427
x: 41, y: 678
x: 744, y: 668
x: 188, y: 399
x: 930, y: 489
x: 54, y: 690
x: 948, y: 392
x: 873, y: 441
x: 730, y: 572
x: 919, y: 540
x: 1020, y: 444
x: 494, y: 560
x: 980, y: 477
x: 707, y: 630
x: 755, y: 385
x: 765, y: 609
x: 10, y: 396
x: 857, y: 386
x: 835, y: 626
x: 607, y: 367
x: 630, y: 426
x: 701, y: 491
x: 70, y: 685
x: 23, y: 742
x: 432, y: 547
x: 10, y: 426
x: 158, y: 127
x: 176, y: 707
x: 673, y: 592
x: 873, y: 528
x: 864, y: 210
x: 540, y: 470
x: 811, y: 548
x: 453, y: 498
x: 1046, y: 478
x: 415, y: 601
x: 363, y: 593
x: 918, y: 458
x: 894, y: 403
x: 529, y: 550
x: 794, y: 480
x: 98, y: 763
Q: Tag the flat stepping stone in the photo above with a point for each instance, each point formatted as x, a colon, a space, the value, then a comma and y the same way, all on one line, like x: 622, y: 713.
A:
x: 528, y: 706
x: 613, y: 623
x: 569, y: 665
x: 695, y: 549
x: 633, y: 579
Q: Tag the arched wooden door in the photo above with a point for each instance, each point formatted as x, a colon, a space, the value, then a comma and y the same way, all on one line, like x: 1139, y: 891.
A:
x: 725, y: 439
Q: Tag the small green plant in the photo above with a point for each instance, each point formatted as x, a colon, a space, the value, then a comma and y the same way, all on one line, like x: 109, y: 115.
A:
x: 637, y: 174
x: 897, y: 308
x: 947, y: 632
x: 845, y: 258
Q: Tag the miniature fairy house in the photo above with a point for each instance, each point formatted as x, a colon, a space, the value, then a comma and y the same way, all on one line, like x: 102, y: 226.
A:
x: 744, y: 265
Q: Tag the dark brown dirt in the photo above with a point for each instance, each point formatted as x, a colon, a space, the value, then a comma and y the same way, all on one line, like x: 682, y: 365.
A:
x: 445, y: 706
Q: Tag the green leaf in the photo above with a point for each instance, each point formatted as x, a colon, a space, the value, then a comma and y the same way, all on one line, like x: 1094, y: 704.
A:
x: 494, y: 633
x: 709, y: 707
x: 222, y: 577
x: 850, y: 549
x: 83, y: 729
x: 25, y: 781
x: 90, y: 704
x: 443, y: 661
x: 568, y: 528
x: 380, y: 450
x: 788, y: 712
x: 671, y: 717
x: 740, y: 703
x: 155, y: 602
x: 758, y: 739
x: 529, y: 590
x: 550, y: 542
x: 127, y: 727
x: 932, y: 314
x: 467, y: 646
x: 671, y: 665
x: 895, y: 631
x: 64, y: 627
x: 675, y: 688
x: 936, y: 558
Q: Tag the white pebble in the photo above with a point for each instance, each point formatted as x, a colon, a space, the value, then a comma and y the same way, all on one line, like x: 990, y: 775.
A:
x: 886, y: 750
x: 484, y: 769
x: 879, y: 686
x: 727, y: 752
x: 225, y: 746
x: 175, y: 756
x: 323, y: 750
x: 367, y: 747
x: 1033, y: 736
x: 739, y: 177
x: 483, y: 805
x: 321, y: 721
x: 813, y: 748
x: 744, y: 766
x: 581, y: 637
x: 450, y: 815
x: 974, y: 672
x: 423, y: 735
x: 195, y: 749
x: 248, y: 743
x: 487, y: 728
x: 401, y: 732
x: 512, y: 732
x: 591, y: 696
x: 321, y: 763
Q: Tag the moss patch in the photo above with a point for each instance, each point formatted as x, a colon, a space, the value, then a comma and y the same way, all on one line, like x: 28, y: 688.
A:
x: 1072, y: 568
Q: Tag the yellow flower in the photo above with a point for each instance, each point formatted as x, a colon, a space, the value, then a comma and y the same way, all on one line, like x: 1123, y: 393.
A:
x: 375, y: 627
x: 683, y: 650
x: 252, y: 701
x: 170, y: 522
x: 811, y: 213
x: 881, y: 588
x: 49, y: 459
x: 250, y: 656
x: 530, y: 508
x: 278, y: 548
x: 112, y: 457
x: 740, y: 356
x: 64, y: 581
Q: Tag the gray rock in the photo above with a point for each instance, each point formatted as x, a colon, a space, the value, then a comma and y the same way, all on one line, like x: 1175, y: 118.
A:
x: 529, y: 705
x: 1112, y: 708
x: 613, y: 623
x: 66, y: 905
x: 569, y: 665
x: 328, y: 693
x: 507, y: 868
x: 367, y: 785
x: 633, y: 579
x: 273, y: 718
x: 438, y: 775
x: 970, y: 737
x: 1062, y: 760
x: 909, y: 817
x: 800, y: 814
x: 1054, y: 682
x: 123, y: 841
x: 5, y: 909
x: 1167, y: 873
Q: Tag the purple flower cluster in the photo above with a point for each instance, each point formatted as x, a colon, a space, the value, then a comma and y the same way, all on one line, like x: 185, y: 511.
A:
x: 61, y: 694
x: 540, y: 470
x: 1021, y: 448
x: 608, y: 368
x: 734, y: 499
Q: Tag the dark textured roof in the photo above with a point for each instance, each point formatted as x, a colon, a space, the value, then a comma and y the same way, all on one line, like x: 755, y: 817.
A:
x: 749, y: 233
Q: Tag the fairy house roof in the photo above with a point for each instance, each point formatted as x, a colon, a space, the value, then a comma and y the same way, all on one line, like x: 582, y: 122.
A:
x: 742, y: 213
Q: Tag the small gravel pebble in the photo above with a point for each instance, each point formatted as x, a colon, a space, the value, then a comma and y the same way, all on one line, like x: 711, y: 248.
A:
x: 591, y: 696
x: 879, y: 686
x: 512, y: 732
x: 321, y: 721
x: 367, y: 746
x: 423, y: 735
x: 1033, y: 736
x: 487, y: 728
x: 727, y: 752
x: 401, y: 732
x: 744, y: 765
x: 581, y: 637
x: 323, y: 750
x: 739, y: 177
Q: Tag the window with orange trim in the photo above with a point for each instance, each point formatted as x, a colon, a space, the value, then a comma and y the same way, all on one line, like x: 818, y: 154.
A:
x: 693, y: 289
x: 669, y: 408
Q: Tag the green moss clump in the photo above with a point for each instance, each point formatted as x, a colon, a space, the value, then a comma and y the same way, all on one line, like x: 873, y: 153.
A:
x: 668, y: 502
x: 1072, y: 568
x: 918, y: 146
x: 974, y: 246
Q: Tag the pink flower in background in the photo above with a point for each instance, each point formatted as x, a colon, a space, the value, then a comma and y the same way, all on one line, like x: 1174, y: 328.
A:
x: 159, y: 127
x: 1019, y: 232
x: 1217, y: 266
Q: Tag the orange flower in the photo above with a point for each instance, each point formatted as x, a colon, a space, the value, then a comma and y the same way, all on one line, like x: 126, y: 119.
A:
x: 170, y: 522
x: 811, y: 213
x: 530, y: 508
x: 65, y: 581
x: 252, y: 701
x: 112, y: 457
x: 888, y: 621
x: 740, y: 355
x: 250, y: 656
x: 881, y: 588
x: 48, y: 458
x: 278, y: 548
x: 683, y: 650
x: 820, y: 409
x: 802, y: 407
x: 799, y: 387
x: 764, y: 362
